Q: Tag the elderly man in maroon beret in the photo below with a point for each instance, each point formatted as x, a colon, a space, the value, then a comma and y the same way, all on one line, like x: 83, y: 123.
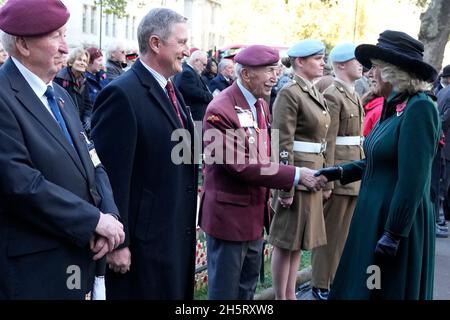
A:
x: 239, y: 173
x: 55, y: 194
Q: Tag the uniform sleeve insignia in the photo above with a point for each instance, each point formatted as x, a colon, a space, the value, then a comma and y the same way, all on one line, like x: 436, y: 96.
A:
x: 284, y: 157
x: 213, y: 118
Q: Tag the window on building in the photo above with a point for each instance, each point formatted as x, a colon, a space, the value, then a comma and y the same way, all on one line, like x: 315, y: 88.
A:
x: 94, y: 20
x: 84, y: 22
x: 114, y: 26
x: 133, y: 35
x: 127, y: 27
x: 211, y: 40
x: 188, y: 8
x: 107, y: 25
x: 213, y: 14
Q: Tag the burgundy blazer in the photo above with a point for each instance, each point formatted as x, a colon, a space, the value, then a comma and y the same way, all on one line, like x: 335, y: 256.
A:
x: 234, y: 204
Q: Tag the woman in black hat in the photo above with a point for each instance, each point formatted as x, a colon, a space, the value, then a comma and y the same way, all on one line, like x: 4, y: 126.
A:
x: 389, y: 253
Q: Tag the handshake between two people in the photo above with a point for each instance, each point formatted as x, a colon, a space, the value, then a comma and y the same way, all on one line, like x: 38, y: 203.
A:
x: 314, y: 180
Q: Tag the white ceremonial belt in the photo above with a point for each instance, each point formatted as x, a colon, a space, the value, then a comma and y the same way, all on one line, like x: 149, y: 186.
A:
x: 310, y: 147
x: 349, y: 141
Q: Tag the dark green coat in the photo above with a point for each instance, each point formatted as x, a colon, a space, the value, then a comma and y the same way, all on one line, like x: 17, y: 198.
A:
x: 394, y: 196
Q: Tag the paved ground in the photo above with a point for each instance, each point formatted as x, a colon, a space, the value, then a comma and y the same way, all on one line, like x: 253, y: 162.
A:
x: 442, y: 269
x: 441, y: 274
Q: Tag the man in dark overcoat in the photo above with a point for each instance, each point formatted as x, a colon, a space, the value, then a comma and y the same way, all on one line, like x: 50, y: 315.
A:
x: 137, y: 122
x: 194, y: 89
x: 54, y: 192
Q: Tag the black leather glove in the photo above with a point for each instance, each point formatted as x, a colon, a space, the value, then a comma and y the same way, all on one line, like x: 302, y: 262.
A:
x: 387, y: 246
x: 331, y: 173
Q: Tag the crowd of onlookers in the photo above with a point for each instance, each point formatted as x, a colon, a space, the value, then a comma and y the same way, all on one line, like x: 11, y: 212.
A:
x: 87, y: 71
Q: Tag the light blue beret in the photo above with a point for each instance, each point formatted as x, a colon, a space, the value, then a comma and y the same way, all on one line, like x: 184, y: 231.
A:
x: 343, y: 52
x: 306, y: 48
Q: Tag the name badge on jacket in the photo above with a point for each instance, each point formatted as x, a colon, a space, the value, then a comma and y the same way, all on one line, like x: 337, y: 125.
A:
x: 91, y: 148
x: 245, y: 117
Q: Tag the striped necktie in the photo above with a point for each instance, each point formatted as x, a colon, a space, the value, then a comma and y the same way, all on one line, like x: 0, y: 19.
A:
x: 173, y: 98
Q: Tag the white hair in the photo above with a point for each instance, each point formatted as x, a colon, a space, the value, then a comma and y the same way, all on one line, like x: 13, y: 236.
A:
x: 197, y: 54
x: 75, y: 53
x: 401, y: 80
x: 238, y: 70
x: 223, y: 64
x: 9, y: 42
x: 113, y: 46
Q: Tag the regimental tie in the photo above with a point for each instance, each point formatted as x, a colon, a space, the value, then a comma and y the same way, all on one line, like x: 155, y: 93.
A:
x: 173, y: 98
x: 50, y: 94
x: 262, y: 123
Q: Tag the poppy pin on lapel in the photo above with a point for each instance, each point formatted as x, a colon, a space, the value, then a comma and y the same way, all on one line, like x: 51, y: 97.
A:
x: 61, y: 103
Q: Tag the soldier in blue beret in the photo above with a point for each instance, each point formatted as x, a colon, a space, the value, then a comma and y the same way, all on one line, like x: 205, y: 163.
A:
x: 301, y: 116
x: 342, y: 53
x: 306, y: 48
x: 343, y: 145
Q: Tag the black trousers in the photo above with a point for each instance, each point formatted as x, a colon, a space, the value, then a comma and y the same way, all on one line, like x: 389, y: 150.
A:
x: 233, y: 268
x: 440, y: 184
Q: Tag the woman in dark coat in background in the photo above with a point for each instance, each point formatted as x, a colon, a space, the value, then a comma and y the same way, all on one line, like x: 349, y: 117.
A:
x: 73, y: 79
x: 96, y: 78
x: 210, y: 71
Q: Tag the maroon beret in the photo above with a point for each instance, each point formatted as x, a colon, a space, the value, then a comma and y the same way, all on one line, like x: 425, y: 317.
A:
x: 94, y: 53
x: 257, y: 55
x: 32, y: 17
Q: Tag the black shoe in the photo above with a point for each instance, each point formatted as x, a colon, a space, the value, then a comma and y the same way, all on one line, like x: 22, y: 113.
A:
x: 320, y: 294
x: 443, y: 223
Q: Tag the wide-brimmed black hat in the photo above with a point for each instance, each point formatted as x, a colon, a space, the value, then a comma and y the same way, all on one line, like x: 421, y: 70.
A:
x: 398, y: 49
